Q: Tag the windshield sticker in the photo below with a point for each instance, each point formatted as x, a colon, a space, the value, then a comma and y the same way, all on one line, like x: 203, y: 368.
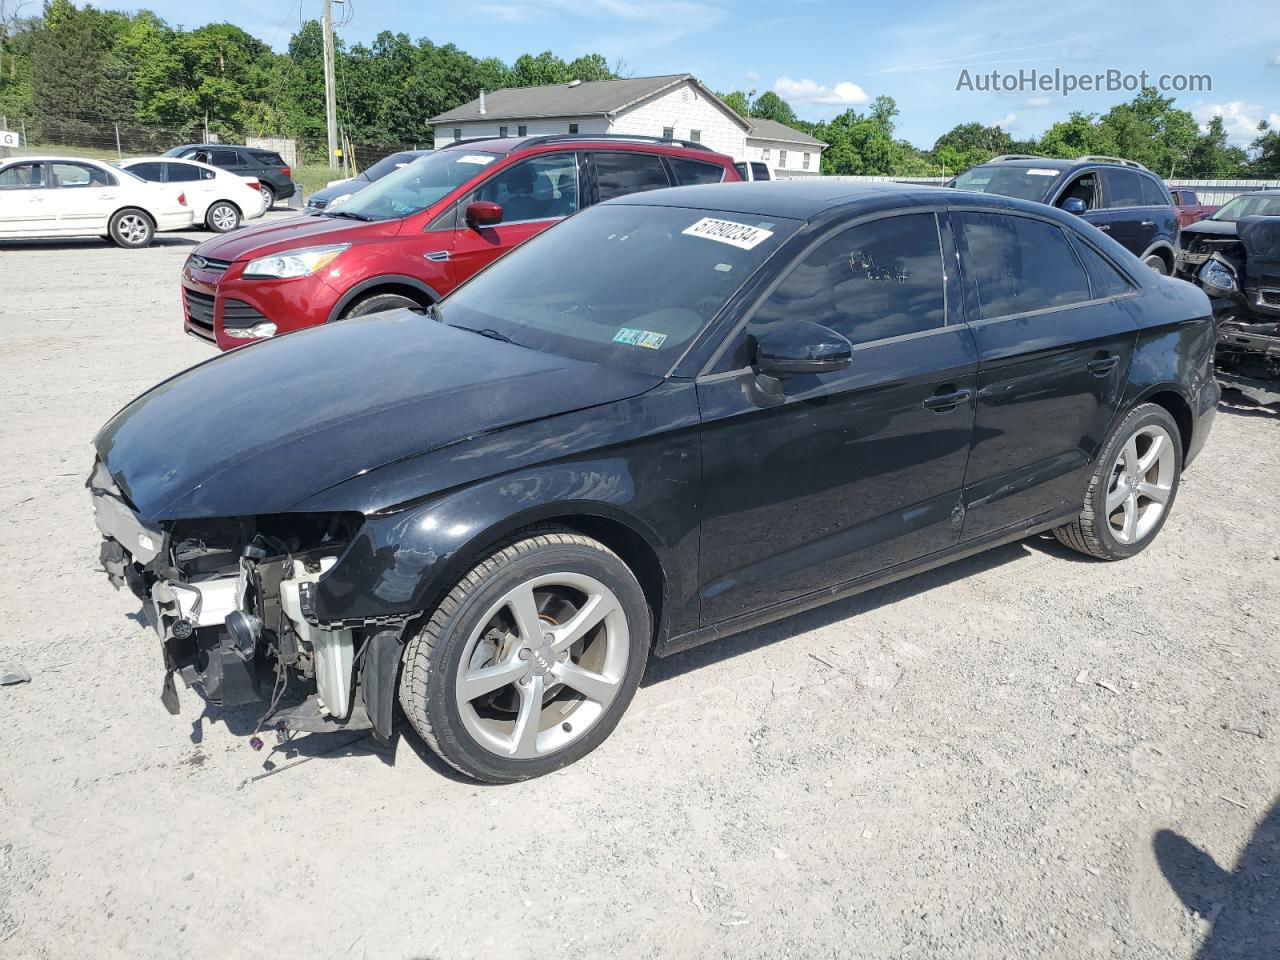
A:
x: 478, y: 158
x: 726, y: 231
x: 640, y: 338
x: 1041, y: 172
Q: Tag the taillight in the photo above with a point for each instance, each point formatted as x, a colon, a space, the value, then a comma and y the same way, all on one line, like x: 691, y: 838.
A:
x: 182, y: 199
x: 286, y: 171
x: 254, y: 185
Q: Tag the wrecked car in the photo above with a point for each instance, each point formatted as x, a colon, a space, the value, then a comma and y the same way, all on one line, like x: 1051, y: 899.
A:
x: 675, y: 416
x: 1242, y: 279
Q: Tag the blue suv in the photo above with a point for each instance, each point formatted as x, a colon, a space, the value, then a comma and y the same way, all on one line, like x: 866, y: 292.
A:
x: 1120, y: 197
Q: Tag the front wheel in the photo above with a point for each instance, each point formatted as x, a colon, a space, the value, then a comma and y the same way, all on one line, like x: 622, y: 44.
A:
x: 529, y: 662
x: 1132, y: 488
x: 380, y: 303
x: 1156, y: 263
x: 131, y: 229
x: 222, y: 217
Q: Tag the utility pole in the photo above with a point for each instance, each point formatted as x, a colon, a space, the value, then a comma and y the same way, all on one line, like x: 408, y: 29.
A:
x: 330, y: 99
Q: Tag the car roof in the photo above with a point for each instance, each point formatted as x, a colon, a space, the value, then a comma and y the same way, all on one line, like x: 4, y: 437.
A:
x: 50, y: 158
x: 162, y: 158
x: 808, y: 198
x: 577, y: 141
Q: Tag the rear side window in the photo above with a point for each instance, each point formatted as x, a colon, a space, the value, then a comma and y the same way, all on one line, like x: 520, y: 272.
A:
x: 618, y: 174
x: 185, y: 173
x: 225, y: 158
x: 149, y: 171
x: 22, y: 176
x: 759, y: 171
x: 1106, y: 279
x: 1153, y: 195
x: 1123, y: 188
x: 870, y: 282
x: 689, y: 172
x: 1018, y: 264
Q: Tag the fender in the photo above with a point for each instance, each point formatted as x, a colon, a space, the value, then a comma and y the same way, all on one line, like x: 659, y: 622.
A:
x: 1161, y: 246
x: 364, y: 286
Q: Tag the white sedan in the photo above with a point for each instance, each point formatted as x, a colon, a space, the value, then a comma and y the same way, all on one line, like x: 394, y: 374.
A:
x: 219, y: 199
x: 75, y: 197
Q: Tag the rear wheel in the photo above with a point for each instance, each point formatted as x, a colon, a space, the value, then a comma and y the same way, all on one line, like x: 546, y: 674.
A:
x: 268, y: 195
x: 222, y: 217
x: 1132, y: 489
x: 131, y: 229
x: 529, y: 662
x: 379, y: 303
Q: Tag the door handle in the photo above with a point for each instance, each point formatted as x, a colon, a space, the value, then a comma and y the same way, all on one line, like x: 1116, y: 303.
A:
x: 946, y: 402
x: 1148, y: 223
x: 1103, y: 365
x: 1104, y: 226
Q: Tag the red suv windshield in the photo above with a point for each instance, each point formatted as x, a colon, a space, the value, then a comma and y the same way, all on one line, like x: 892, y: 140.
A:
x: 416, y: 186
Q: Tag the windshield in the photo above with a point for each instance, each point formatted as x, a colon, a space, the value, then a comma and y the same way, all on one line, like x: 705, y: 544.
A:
x: 619, y: 285
x: 387, y: 165
x: 1025, y: 183
x: 416, y: 186
x: 1248, y: 206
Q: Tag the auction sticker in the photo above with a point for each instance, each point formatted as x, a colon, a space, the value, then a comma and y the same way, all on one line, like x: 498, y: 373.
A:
x: 478, y: 158
x: 640, y: 338
x: 727, y: 231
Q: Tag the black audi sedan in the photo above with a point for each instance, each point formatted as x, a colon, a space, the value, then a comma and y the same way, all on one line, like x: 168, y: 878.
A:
x: 675, y: 416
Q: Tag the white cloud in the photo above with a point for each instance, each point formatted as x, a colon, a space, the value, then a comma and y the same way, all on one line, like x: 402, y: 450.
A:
x: 1275, y: 59
x: 1239, y: 119
x: 1036, y: 103
x: 1006, y: 121
x: 810, y: 91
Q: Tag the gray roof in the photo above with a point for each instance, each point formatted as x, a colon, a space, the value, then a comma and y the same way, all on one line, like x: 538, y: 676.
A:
x: 773, y: 130
x: 590, y: 98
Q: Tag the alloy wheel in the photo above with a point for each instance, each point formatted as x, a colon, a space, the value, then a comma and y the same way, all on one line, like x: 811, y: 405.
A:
x: 1141, y: 484
x: 133, y: 228
x: 268, y: 197
x: 223, y: 217
x: 546, y: 661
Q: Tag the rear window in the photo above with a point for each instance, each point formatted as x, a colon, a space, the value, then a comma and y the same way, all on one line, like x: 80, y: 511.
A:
x: 1024, y: 183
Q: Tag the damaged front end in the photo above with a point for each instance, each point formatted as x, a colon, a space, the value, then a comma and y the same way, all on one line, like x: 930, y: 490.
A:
x: 232, y: 602
x: 1243, y: 283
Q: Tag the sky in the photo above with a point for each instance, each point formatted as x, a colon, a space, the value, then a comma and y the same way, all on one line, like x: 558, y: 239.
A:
x: 824, y: 56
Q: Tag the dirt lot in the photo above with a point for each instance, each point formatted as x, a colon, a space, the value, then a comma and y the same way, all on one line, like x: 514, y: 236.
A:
x: 1018, y: 756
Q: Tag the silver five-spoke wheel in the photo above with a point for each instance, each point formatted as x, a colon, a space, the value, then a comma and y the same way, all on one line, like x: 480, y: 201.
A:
x: 546, y: 661
x: 1141, y: 483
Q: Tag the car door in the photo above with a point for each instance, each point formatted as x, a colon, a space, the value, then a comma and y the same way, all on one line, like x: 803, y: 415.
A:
x: 850, y: 472
x: 24, y: 200
x: 1054, y: 344
x: 1159, y: 216
x: 1087, y: 187
x: 226, y: 159
x: 84, y: 197
x: 534, y: 194
x: 616, y: 173
x: 199, y: 184
x: 1131, y: 224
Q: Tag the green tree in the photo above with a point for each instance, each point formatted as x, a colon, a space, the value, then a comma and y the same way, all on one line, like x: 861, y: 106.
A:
x: 1266, y: 153
x: 770, y: 106
x: 1211, y: 157
x: 737, y: 102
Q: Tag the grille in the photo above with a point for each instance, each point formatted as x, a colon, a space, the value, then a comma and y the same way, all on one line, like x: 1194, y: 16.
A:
x: 210, y: 264
x: 237, y: 313
x: 199, y: 308
x: 1269, y: 297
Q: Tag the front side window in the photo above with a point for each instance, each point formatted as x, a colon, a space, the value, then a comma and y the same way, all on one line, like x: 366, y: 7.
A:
x: 542, y: 188
x: 618, y: 174
x: 689, y: 172
x: 79, y: 175
x: 608, y: 308
x: 414, y: 187
x: 1084, y: 187
x: 873, y: 281
x: 225, y: 158
x: 1018, y: 264
x: 1124, y: 188
x: 22, y: 176
x: 152, y: 170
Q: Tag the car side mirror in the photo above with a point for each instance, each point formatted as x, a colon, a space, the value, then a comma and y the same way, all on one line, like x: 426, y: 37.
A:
x: 801, y: 347
x: 1075, y: 205
x: 484, y: 213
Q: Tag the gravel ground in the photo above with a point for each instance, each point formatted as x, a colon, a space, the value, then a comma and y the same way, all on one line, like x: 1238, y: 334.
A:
x: 1021, y: 755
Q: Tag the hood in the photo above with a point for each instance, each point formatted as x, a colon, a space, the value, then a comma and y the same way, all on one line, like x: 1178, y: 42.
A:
x: 1261, y: 239
x: 261, y: 428
x: 1210, y: 228
x: 301, y: 231
x: 343, y: 189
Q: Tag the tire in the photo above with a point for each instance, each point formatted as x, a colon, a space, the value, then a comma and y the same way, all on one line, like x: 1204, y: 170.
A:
x: 474, y: 631
x: 268, y: 196
x: 1157, y: 263
x: 380, y: 303
x: 222, y: 217
x: 131, y: 228
x: 1134, y: 491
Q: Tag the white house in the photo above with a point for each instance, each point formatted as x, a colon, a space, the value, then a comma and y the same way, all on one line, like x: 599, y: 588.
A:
x: 675, y: 107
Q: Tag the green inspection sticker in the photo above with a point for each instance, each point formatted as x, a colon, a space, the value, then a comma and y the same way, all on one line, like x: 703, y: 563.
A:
x: 640, y: 338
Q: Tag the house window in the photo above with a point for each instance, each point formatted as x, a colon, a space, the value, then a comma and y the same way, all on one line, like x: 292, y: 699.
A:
x: 695, y: 136
x: 573, y: 128
x: 766, y: 153
x: 457, y: 133
x: 782, y: 158
x: 522, y: 131
x: 668, y: 133
x: 502, y: 131
x: 806, y: 161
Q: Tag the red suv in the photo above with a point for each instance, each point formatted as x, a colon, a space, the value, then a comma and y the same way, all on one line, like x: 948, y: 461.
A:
x: 411, y: 237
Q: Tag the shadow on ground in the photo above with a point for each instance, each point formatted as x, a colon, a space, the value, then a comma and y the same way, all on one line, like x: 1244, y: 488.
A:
x: 1242, y: 903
